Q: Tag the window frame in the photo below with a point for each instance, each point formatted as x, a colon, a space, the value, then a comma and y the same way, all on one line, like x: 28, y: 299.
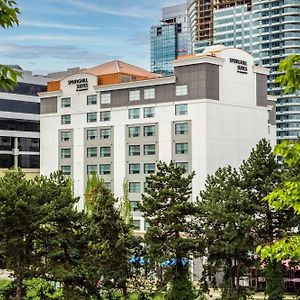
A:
x: 91, y: 151
x: 134, y: 171
x: 105, y: 119
x: 63, y: 139
x: 105, y: 147
x: 105, y: 172
x: 149, y: 93
x: 67, y: 104
x: 179, y: 112
x: 151, y: 113
x: 63, y: 155
x: 184, y: 151
x: 131, y: 147
x: 134, y: 95
x: 63, y: 120
x: 93, y: 120
x: 90, y: 102
x: 105, y: 98
x: 149, y: 152
x: 133, y: 113
x: 102, y: 136
x: 88, y: 137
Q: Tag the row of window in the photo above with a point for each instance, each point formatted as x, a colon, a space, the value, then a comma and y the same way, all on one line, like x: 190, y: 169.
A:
x: 134, y: 113
x: 134, y: 150
x: 133, y: 131
x: 93, y: 151
x: 149, y: 112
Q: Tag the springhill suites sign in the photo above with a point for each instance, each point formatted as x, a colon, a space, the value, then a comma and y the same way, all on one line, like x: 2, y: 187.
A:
x: 241, y: 65
x: 82, y: 84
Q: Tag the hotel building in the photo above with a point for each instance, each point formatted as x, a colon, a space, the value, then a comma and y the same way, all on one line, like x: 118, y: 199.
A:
x: 119, y: 121
x: 20, y: 124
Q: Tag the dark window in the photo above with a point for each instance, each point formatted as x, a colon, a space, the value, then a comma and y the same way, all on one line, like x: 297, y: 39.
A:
x: 29, y: 161
x: 29, y: 144
x: 26, y: 89
x: 19, y: 106
x: 19, y: 125
x: 6, y: 161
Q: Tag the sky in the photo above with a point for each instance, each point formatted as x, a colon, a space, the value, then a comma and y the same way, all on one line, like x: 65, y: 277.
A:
x: 54, y: 35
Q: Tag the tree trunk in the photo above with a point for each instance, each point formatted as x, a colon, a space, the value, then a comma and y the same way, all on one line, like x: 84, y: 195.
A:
x: 19, y: 279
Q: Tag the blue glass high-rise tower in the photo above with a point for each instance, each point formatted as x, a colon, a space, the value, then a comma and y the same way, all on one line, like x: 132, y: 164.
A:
x: 170, y: 39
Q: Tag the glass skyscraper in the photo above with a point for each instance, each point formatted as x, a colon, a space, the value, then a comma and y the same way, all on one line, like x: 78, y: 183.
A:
x: 277, y: 35
x: 170, y: 39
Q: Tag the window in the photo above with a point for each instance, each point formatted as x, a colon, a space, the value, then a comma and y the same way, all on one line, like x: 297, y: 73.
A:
x: 149, y: 93
x: 134, y: 206
x: 181, y: 128
x: 65, y: 102
x: 145, y: 186
x: 149, y: 112
x: 149, y: 149
x: 181, y: 109
x: 134, y: 113
x: 104, y: 151
x: 65, y: 119
x: 91, y: 152
x: 105, y: 98
x: 149, y: 168
x: 91, y: 134
x: 104, y: 116
x: 65, y: 136
x: 134, y: 95
x: 105, y: 133
x: 184, y: 165
x: 91, y: 117
x: 181, y: 148
x: 107, y: 185
x: 134, y: 150
x: 134, y: 131
x: 181, y: 90
x: 104, y: 169
x: 146, y: 225
x: 134, y: 168
x: 65, y: 153
x: 134, y: 187
x: 137, y: 224
x: 149, y: 130
x: 66, y: 170
x: 91, y: 99
x: 91, y: 169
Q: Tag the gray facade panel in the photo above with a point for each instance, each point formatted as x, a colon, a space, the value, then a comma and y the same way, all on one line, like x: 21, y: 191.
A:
x: 261, y: 90
x: 272, y: 113
x: 48, y: 105
x: 202, y: 81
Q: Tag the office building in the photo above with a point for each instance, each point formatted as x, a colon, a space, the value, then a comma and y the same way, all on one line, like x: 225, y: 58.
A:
x: 170, y: 39
x: 233, y: 27
x: 19, y: 124
x: 196, y: 118
x: 276, y: 36
x: 201, y: 16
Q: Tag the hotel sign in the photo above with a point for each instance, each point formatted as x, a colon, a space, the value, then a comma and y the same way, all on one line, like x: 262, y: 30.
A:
x: 241, y: 65
x: 82, y: 84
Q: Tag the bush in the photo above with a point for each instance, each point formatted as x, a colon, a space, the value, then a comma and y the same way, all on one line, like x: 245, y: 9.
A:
x: 6, y: 289
x: 182, y: 288
x: 39, y: 289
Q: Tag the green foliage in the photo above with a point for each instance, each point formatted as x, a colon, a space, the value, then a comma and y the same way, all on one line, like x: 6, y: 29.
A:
x: 167, y: 206
x: 38, y: 289
x: 6, y: 289
x: 291, y: 77
x: 182, y: 288
x: 110, y: 237
x: 125, y: 207
x: 8, y: 18
x: 275, y: 283
x: 8, y: 13
x: 284, y: 197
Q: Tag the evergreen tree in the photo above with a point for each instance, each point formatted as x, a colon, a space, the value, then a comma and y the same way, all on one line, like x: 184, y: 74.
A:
x: 19, y: 220
x: 226, y: 227
x: 108, y: 228
x: 168, y: 208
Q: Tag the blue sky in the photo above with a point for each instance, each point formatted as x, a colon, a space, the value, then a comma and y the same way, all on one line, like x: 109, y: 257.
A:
x: 57, y: 34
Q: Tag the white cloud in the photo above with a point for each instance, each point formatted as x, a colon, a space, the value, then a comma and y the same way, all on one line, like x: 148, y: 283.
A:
x: 56, y: 25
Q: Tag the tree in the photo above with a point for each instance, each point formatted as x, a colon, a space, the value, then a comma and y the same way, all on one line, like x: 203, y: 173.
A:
x: 8, y: 18
x: 168, y: 208
x: 291, y: 77
x: 260, y: 174
x: 19, y: 219
x: 285, y: 196
x: 108, y: 228
x: 226, y: 227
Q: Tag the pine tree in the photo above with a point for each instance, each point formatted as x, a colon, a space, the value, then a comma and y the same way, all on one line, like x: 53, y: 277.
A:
x: 108, y: 228
x: 168, y: 208
x: 226, y: 227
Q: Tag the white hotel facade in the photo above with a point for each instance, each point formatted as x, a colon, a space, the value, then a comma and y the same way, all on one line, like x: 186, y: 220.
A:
x: 211, y: 113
